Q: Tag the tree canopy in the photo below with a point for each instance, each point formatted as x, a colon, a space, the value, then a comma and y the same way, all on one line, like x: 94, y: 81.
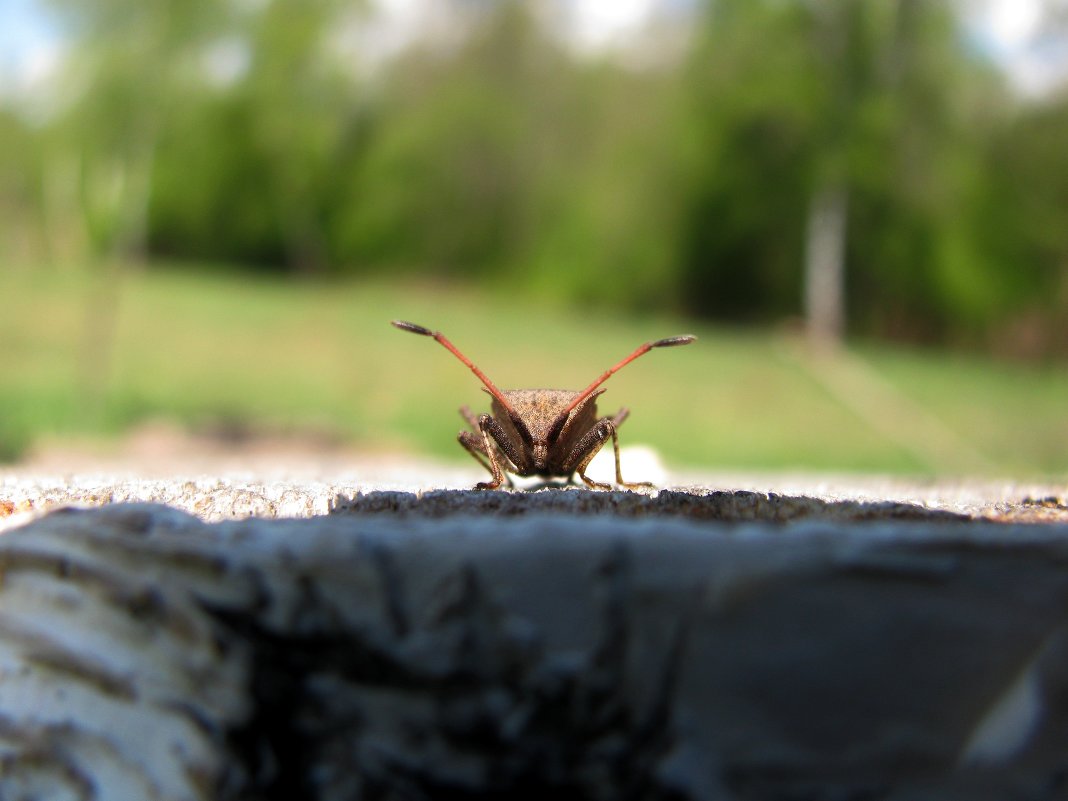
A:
x: 258, y: 134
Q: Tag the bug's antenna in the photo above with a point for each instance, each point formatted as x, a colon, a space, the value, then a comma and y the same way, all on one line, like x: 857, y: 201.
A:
x: 669, y: 342
x: 440, y: 337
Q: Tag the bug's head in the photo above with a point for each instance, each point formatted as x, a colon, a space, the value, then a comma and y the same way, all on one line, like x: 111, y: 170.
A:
x: 540, y: 454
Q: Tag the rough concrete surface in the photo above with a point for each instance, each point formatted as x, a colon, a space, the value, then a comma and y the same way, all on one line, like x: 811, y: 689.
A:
x: 433, y: 489
x: 146, y: 654
x: 297, y: 481
x: 236, y: 476
x: 377, y: 630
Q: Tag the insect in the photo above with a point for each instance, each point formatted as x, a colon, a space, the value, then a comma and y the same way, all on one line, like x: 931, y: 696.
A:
x: 551, y: 433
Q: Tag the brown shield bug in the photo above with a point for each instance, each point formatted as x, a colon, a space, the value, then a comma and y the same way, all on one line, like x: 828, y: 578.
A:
x: 551, y: 433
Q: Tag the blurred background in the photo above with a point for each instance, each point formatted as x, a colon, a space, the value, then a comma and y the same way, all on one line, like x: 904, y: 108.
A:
x: 210, y: 209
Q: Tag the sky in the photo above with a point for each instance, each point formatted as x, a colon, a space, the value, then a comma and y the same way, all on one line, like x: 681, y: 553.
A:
x: 1009, y: 30
x: 28, y: 47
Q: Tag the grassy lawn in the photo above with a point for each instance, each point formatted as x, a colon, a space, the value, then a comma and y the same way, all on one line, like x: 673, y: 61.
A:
x: 94, y: 357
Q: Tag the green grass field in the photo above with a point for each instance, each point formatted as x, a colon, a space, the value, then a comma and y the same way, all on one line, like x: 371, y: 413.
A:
x: 95, y: 357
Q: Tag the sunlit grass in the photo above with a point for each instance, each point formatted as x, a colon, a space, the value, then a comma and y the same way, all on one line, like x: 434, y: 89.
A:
x: 91, y: 358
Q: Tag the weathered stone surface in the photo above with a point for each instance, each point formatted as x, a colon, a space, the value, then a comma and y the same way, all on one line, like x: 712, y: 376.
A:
x: 430, y: 489
x: 426, y: 651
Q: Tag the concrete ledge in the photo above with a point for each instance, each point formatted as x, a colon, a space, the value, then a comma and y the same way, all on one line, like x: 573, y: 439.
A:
x: 390, y: 653
x: 431, y: 491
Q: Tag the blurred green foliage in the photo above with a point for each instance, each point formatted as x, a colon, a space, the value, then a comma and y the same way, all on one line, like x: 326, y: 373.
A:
x: 228, y: 131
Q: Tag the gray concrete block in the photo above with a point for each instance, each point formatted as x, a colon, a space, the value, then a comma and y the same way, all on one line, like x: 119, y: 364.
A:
x: 703, y: 645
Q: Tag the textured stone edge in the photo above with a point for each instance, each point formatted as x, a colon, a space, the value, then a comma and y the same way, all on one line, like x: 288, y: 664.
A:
x: 147, y: 654
x: 228, y: 498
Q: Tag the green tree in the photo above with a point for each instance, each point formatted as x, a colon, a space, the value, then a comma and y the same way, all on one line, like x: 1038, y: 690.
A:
x: 610, y: 203
x: 248, y: 172
x: 297, y: 95
x: 855, y: 118
x: 509, y: 158
x: 135, y: 64
x: 753, y: 94
x: 445, y: 181
x: 213, y: 193
x: 20, y: 190
x: 1020, y: 223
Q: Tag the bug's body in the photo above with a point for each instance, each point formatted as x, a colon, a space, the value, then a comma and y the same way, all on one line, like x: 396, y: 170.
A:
x: 539, y: 408
x: 551, y: 433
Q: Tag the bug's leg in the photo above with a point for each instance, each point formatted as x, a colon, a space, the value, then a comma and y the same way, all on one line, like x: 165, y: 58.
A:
x: 591, y: 443
x: 473, y: 444
x: 476, y: 447
x: 617, y: 421
x: 494, y: 433
x: 469, y: 416
x: 586, y: 448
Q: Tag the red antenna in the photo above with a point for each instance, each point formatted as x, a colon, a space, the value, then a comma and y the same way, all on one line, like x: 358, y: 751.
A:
x: 496, y: 393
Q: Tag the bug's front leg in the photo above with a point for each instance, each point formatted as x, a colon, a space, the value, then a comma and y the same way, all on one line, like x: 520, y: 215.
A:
x: 473, y: 445
x: 491, y: 441
x: 587, y: 447
x: 473, y: 442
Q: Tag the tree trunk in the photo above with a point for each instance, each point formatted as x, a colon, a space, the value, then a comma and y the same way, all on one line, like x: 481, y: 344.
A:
x: 825, y: 266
